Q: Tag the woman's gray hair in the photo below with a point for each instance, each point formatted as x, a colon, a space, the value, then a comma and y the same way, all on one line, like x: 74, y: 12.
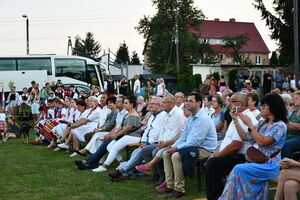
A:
x: 286, y: 98
x: 93, y: 98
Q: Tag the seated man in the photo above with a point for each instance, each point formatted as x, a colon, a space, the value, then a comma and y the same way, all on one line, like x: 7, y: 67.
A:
x: 231, y: 151
x: 174, y: 122
x: 199, y: 139
x: 112, y: 123
x: 155, y: 127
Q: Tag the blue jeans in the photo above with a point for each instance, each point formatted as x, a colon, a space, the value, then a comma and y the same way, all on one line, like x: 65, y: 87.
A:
x: 136, y: 158
x: 96, y: 157
x: 291, y: 145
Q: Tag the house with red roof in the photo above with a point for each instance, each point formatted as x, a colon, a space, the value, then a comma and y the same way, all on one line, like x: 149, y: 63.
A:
x: 213, y: 31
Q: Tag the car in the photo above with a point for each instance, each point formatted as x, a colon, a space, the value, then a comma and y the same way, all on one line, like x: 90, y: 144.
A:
x: 78, y: 87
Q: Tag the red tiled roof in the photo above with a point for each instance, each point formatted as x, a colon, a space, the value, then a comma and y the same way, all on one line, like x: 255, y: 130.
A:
x: 218, y: 29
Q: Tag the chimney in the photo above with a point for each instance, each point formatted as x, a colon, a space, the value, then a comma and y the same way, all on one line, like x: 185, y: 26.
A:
x: 231, y: 20
x: 217, y: 19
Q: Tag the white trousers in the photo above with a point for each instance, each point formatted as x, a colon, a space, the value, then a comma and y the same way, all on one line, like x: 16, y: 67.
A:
x: 116, y: 146
x: 95, y: 142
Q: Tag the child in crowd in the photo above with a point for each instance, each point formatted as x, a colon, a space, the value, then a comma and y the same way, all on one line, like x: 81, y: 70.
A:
x: 3, y: 125
x: 13, y: 129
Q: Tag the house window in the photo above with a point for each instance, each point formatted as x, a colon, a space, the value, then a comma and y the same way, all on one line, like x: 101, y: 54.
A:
x: 220, y: 56
x: 258, y: 60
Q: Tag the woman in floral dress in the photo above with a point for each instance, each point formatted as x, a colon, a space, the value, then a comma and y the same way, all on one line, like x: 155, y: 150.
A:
x: 250, y: 180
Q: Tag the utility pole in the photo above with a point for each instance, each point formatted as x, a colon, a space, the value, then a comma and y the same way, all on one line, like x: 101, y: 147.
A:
x: 27, y: 33
x: 176, y: 39
x: 296, y: 42
x: 69, y: 45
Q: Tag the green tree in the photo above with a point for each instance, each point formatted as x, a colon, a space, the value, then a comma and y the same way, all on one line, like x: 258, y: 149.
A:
x: 122, y: 54
x: 274, y: 58
x: 280, y: 23
x: 159, y: 32
x: 87, y: 47
x: 234, y: 45
x: 135, y: 60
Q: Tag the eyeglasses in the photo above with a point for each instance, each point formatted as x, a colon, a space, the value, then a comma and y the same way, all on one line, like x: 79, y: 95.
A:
x: 191, y: 101
x: 234, y: 101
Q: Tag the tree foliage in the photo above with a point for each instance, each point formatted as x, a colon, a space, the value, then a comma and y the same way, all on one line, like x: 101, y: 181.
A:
x: 281, y: 26
x: 274, y: 58
x: 135, y: 60
x: 234, y: 46
x: 122, y: 54
x: 87, y: 47
x: 159, y: 32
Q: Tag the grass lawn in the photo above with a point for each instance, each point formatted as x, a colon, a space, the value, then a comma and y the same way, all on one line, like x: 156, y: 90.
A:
x: 32, y: 172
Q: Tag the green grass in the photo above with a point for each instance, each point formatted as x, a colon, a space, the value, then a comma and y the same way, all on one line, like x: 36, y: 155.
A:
x: 32, y: 172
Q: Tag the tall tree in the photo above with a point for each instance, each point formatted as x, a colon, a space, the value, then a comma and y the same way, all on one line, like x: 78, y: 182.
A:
x: 87, y: 47
x: 122, y: 54
x: 234, y: 46
x: 135, y: 60
x: 159, y: 32
x: 281, y: 26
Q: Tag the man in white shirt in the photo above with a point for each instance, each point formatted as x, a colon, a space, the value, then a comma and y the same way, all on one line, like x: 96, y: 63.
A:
x: 155, y: 127
x: 207, y: 108
x: 231, y: 152
x: 180, y: 99
x: 137, y: 86
x: 174, y: 121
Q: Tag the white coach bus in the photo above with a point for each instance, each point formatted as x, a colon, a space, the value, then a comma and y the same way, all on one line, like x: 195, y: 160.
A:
x: 48, y: 68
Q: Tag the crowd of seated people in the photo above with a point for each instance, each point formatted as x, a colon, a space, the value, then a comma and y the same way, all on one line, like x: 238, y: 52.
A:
x: 171, y: 134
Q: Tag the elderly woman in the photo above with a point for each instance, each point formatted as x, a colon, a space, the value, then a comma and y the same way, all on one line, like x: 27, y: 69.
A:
x: 293, y: 143
x: 289, y: 180
x: 249, y: 180
x: 129, y: 134
x: 253, y: 103
x: 84, y: 126
x: 141, y: 106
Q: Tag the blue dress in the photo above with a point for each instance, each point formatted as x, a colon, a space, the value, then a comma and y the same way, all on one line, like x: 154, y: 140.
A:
x: 249, y: 181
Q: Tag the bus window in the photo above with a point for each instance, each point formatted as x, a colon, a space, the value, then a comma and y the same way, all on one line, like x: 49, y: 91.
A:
x: 8, y: 65
x: 92, y: 75
x: 35, y: 64
x: 73, y: 68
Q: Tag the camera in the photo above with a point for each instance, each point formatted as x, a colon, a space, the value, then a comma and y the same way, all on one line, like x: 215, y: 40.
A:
x: 237, y: 109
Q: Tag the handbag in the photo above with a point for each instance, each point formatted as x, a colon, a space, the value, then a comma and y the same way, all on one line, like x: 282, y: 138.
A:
x: 253, y: 155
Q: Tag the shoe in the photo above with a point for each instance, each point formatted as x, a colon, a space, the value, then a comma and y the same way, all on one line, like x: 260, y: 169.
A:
x: 78, y: 162
x: 57, y: 149
x: 161, y: 187
x: 100, y: 169
x: 85, y: 166
x: 144, y: 169
x: 79, y: 153
x: 166, y: 191
x: 63, y: 146
x: 115, y: 174
x: 121, y: 178
x: 74, y: 154
x: 175, y: 195
x: 120, y: 165
x: 36, y: 142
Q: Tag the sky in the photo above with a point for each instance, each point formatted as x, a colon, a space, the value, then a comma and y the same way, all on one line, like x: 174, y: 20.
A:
x: 111, y: 22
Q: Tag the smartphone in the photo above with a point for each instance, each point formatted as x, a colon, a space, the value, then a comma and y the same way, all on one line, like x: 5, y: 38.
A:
x: 237, y: 109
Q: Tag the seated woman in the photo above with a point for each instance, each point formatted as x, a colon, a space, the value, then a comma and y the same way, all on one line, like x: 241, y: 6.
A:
x: 141, y: 106
x: 99, y: 133
x: 13, y: 129
x: 218, y: 117
x: 293, y: 143
x: 250, y: 180
x: 84, y: 125
x: 129, y: 134
x: 253, y: 103
x: 289, y: 180
x: 63, y: 124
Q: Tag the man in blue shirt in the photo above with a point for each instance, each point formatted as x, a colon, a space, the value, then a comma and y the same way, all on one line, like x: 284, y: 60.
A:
x: 199, y: 132
x: 279, y: 79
